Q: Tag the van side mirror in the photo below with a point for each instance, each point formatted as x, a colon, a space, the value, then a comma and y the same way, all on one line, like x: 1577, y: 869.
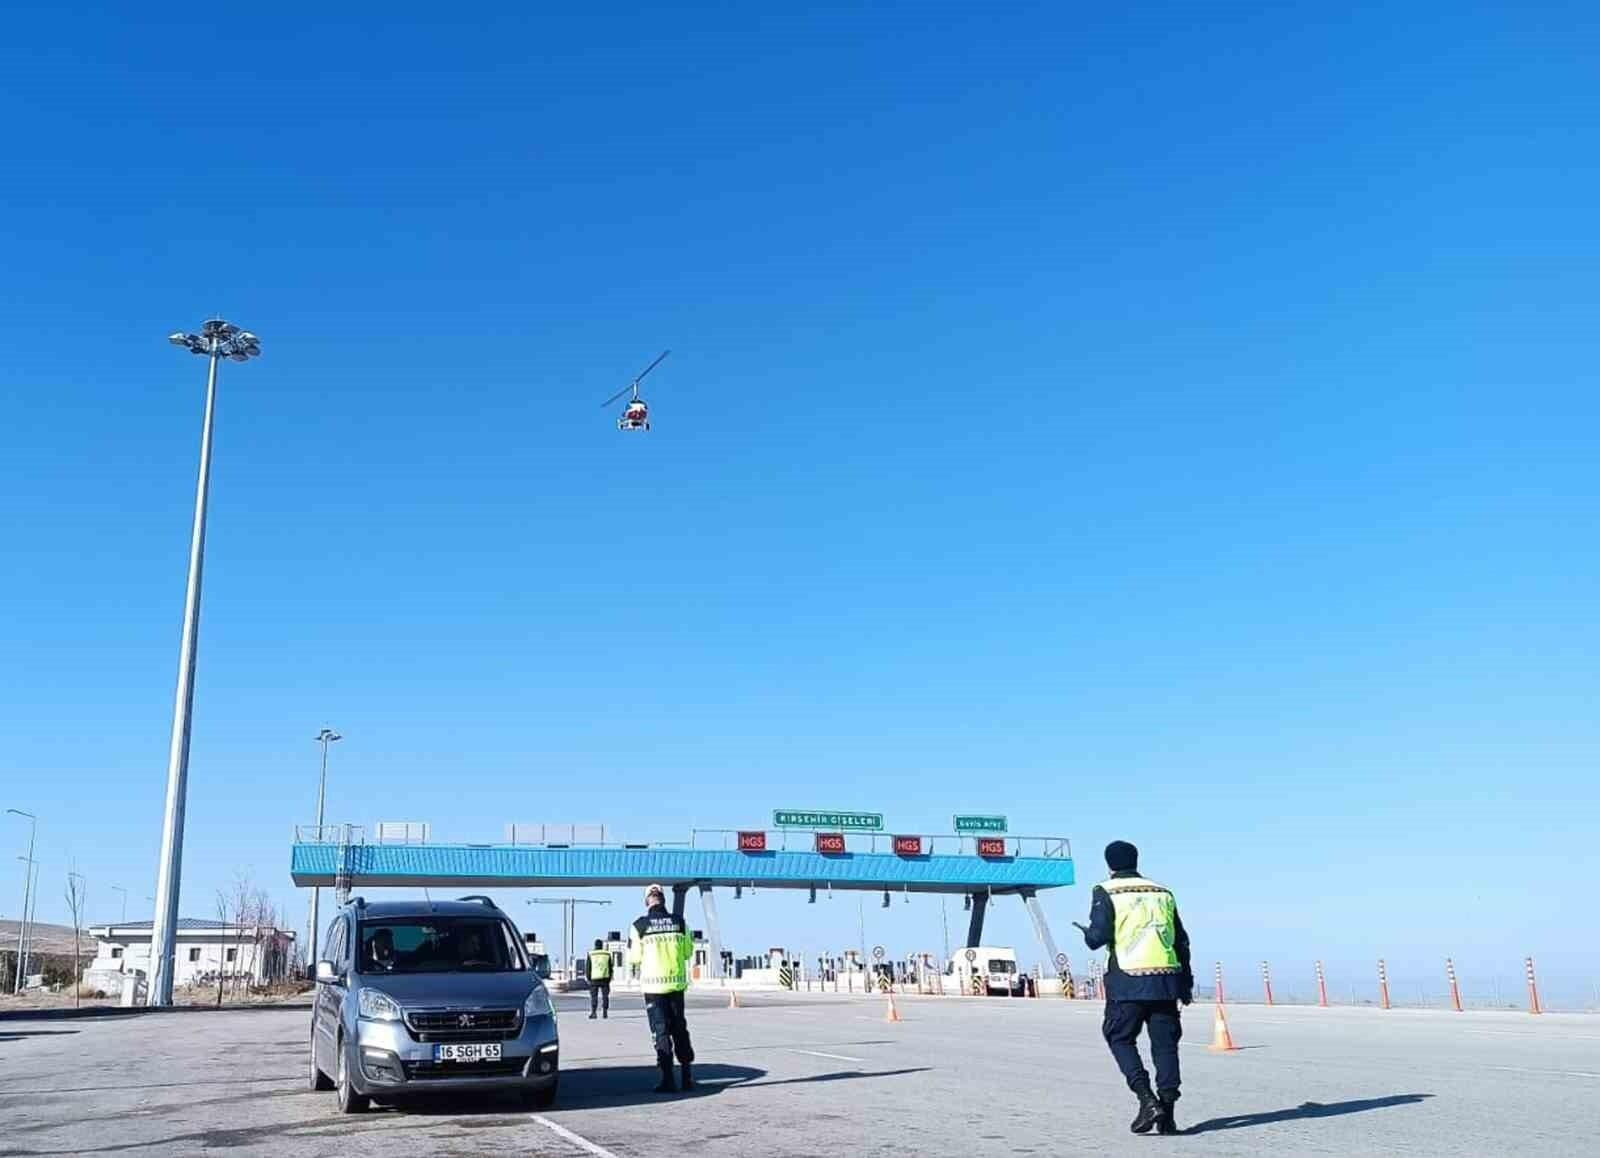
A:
x: 326, y: 974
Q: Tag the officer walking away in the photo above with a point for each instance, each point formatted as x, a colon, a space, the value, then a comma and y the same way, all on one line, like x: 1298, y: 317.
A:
x: 660, y: 946
x: 1147, y: 975
x: 599, y: 980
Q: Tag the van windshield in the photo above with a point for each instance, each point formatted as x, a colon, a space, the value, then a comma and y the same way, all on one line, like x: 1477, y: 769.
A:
x: 439, y: 945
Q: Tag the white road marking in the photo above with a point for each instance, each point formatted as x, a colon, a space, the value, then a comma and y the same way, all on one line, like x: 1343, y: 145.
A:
x: 577, y: 1140
x: 829, y: 1056
x: 1557, y: 1073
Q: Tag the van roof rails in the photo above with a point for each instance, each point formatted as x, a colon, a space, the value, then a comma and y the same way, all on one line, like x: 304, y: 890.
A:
x: 480, y: 898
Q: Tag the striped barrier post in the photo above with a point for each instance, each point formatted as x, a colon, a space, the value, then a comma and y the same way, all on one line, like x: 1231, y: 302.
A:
x: 1094, y: 976
x: 1533, y: 990
x: 1219, y: 983
x: 1455, y: 988
x: 1322, y: 987
x: 1383, y: 984
x: 1266, y: 981
x: 1069, y: 987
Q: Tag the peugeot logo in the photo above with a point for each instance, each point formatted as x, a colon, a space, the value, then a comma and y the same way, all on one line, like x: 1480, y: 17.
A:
x: 465, y: 1020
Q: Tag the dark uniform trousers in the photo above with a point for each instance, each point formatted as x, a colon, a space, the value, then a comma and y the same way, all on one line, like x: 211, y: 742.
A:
x: 667, y: 1024
x: 1123, y: 1021
x: 599, y: 996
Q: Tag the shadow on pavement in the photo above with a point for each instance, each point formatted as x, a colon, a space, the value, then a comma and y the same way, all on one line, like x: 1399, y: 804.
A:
x: 1305, y: 1110
x: 13, y: 1036
x: 117, y: 1011
x: 594, y: 1087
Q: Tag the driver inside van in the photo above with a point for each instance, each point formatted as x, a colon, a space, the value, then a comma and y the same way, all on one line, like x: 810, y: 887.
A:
x: 380, y: 951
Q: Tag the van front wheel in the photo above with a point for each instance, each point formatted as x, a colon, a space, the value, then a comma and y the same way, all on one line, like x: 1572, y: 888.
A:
x: 344, y: 1090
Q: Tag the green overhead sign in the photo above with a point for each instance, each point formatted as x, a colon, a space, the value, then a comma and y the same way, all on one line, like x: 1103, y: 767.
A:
x: 980, y: 824
x: 838, y: 821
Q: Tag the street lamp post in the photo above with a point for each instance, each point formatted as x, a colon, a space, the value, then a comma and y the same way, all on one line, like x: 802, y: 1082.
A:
x: 216, y: 340
x: 30, y: 871
x: 325, y: 737
x: 27, y: 893
x: 124, y: 892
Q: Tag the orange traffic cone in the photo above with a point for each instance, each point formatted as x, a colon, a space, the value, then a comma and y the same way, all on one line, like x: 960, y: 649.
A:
x: 733, y: 999
x: 1221, y: 1039
x: 892, y: 1012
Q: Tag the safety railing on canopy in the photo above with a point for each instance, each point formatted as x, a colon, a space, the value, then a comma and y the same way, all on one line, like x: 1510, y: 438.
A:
x: 728, y: 839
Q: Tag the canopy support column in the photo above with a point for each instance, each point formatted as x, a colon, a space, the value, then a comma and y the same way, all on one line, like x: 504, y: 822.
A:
x: 1041, y: 929
x: 980, y: 902
x: 713, y: 931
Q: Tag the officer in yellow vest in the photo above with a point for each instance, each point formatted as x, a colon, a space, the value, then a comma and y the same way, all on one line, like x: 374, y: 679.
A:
x: 599, y: 980
x: 660, y: 946
x: 1147, y: 976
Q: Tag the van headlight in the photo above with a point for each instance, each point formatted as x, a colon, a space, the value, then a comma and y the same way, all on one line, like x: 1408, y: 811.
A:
x: 376, y: 1005
x: 538, y: 1003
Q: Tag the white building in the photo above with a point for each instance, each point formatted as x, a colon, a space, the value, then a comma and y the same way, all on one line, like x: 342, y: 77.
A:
x: 254, y: 954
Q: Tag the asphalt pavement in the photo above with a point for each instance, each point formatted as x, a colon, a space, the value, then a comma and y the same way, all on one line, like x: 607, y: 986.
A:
x: 820, y: 1074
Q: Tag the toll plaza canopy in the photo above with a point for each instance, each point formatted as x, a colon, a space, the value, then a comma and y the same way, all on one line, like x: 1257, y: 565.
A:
x: 717, y: 857
x: 978, y: 866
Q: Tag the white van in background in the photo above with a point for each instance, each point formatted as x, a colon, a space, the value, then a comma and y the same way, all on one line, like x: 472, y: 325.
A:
x: 993, y: 966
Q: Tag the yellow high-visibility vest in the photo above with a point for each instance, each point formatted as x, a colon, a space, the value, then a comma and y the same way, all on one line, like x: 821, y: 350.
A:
x: 1146, y: 926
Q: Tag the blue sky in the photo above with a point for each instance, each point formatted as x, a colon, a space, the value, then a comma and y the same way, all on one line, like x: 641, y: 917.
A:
x: 1173, y: 424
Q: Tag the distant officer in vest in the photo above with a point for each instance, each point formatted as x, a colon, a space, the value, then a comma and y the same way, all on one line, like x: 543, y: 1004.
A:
x: 660, y: 946
x: 1147, y: 976
x: 599, y: 980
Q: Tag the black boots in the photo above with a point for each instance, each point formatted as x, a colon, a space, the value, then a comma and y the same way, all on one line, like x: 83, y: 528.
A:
x: 688, y: 1082
x: 1165, y: 1122
x: 1149, y: 1112
x: 666, y: 1085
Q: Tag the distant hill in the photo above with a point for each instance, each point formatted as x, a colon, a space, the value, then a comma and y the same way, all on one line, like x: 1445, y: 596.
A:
x: 53, y: 939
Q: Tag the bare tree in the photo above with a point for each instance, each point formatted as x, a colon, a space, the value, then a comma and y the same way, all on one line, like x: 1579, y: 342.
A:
x: 76, y: 895
x: 249, y: 911
x: 222, y: 916
x: 266, y: 930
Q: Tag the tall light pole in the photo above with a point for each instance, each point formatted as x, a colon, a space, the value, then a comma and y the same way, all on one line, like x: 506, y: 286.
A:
x: 325, y: 737
x: 30, y: 871
x: 569, y: 924
x: 27, y: 891
x: 216, y: 340
x: 124, y: 892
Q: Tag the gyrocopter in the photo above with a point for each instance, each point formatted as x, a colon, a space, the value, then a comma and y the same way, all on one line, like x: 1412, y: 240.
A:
x: 636, y: 414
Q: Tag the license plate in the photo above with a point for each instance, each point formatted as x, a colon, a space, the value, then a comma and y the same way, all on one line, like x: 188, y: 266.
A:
x: 465, y: 1052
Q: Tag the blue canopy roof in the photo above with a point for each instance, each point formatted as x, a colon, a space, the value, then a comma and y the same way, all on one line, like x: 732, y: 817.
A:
x: 523, y: 866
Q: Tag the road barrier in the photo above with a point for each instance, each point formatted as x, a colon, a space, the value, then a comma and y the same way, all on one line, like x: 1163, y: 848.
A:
x: 1455, y: 990
x: 1322, y: 987
x: 1266, y: 981
x: 1533, y: 990
x: 1383, y: 984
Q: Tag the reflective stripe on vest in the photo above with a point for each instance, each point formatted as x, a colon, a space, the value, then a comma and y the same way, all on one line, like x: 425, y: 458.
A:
x: 599, y: 965
x: 1146, y: 926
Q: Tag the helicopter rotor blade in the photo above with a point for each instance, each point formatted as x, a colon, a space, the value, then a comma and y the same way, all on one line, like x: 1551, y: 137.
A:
x: 634, y: 385
x: 651, y: 366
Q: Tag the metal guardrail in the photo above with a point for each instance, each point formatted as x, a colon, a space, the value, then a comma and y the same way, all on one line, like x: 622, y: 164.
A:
x: 725, y: 839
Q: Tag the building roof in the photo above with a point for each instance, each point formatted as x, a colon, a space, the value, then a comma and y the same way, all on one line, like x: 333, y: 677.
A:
x: 185, y: 925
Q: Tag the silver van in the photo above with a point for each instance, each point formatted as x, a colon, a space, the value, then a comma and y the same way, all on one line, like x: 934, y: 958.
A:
x: 423, y: 996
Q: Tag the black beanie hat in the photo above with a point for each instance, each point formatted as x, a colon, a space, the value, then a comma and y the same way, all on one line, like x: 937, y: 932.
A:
x: 1121, y: 856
